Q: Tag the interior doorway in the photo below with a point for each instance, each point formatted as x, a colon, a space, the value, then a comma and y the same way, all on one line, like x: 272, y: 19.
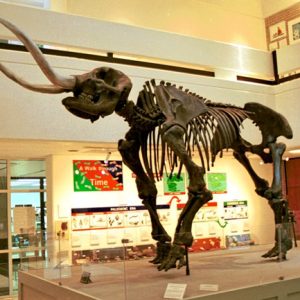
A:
x: 23, y: 215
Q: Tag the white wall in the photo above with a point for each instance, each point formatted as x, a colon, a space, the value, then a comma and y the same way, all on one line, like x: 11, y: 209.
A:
x: 287, y: 102
x: 29, y: 115
x: 206, y: 19
x: 270, y: 7
x: 103, y: 36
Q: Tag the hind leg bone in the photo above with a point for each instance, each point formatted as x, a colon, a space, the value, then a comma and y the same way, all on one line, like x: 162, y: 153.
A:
x: 273, y: 194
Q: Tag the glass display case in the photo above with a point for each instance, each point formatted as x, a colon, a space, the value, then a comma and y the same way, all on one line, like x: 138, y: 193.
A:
x: 126, y: 272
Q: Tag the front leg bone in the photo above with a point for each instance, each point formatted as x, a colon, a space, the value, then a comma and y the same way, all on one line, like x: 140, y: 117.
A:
x: 277, y: 150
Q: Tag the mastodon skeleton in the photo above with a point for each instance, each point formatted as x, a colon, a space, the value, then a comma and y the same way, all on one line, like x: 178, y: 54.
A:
x: 167, y: 124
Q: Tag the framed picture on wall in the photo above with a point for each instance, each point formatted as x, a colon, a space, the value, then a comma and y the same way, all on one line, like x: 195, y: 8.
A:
x: 277, y: 31
x: 294, y: 30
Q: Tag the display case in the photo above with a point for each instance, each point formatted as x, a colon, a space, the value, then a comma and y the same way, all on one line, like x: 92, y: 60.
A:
x: 232, y: 273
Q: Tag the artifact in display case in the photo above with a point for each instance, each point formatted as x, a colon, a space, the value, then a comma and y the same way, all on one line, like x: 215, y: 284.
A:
x: 85, y: 278
x: 81, y: 257
x: 166, y: 123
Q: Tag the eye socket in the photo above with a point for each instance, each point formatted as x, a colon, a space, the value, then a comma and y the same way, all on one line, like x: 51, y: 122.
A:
x: 100, y: 74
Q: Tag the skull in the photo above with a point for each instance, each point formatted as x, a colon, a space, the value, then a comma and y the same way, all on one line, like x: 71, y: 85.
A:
x: 97, y: 93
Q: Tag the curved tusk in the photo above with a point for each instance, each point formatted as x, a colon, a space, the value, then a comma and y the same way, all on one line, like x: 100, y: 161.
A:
x: 48, y: 89
x: 56, y: 79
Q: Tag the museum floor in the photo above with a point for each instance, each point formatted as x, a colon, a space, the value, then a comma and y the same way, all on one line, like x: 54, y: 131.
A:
x: 222, y: 269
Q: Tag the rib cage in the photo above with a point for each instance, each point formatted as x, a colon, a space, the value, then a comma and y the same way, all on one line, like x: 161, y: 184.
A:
x: 209, y: 133
x: 214, y: 131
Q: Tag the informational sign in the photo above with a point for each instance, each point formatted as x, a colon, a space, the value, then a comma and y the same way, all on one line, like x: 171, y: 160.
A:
x: 217, y: 182
x: 175, y: 291
x: 209, y: 287
x: 174, y: 184
x: 236, y: 209
x: 208, y: 212
x: 95, y: 218
x: 97, y: 175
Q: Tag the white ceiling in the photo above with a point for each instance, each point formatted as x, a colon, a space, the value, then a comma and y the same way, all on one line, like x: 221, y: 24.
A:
x: 40, y: 149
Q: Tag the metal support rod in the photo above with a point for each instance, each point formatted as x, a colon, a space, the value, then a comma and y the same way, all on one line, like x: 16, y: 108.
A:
x: 279, y: 235
x: 187, y: 267
x: 292, y: 222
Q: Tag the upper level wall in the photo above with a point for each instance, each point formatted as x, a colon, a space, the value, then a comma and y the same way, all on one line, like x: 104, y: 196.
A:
x: 282, y: 27
x: 28, y: 115
x: 229, y: 21
x: 271, y: 7
x: 94, y: 35
x: 287, y: 102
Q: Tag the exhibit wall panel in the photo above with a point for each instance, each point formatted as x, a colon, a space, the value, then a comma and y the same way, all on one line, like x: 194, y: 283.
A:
x: 241, y: 187
x: 62, y: 199
x: 29, y: 115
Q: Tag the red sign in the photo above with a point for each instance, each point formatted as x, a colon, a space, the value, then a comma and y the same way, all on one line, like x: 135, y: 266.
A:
x: 97, y: 175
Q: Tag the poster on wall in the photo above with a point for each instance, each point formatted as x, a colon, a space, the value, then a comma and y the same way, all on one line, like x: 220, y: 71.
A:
x: 217, y: 183
x: 98, y: 221
x: 145, y: 234
x: 208, y: 212
x: 115, y: 220
x: 97, y: 175
x: 80, y: 222
x: 164, y: 216
x: 62, y: 230
x: 94, y: 238
x: 277, y: 31
x: 294, y: 30
x: 98, y: 218
x: 133, y: 218
x: 236, y: 209
x: 174, y: 185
